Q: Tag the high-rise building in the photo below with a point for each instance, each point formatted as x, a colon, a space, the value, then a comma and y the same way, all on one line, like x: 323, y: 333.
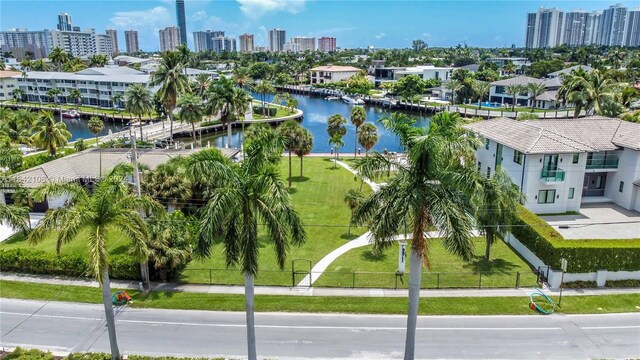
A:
x: 574, y: 28
x: 593, y: 28
x: 306, y: 43
x: 21, y: 41
x: 203, y: 40
x: 547, y: 31
x: 169, y: 38
x: 80, y: 43
x: 182, y: 23
x: 131, y: 40
x: 291, y: 47
x: 113, y: 35
x: 531, y: 30
x: 632, y: 29
x: 64, y: 22
x: 103, y: 44
x: 229, y: 44
x: 612, y: 26
x: 246, y: 43
x: 327, y: 44
x: 277, y: 39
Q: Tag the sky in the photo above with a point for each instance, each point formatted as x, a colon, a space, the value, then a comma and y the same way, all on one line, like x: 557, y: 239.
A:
x: 355, y: 23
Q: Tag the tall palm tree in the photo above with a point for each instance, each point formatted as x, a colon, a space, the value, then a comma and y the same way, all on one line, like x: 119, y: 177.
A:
x: 403, y: 126
x: 231, y: 102
x: 185, y: 56
x: 191, y: 111
x: 16, y: 216
x: 203, y: 81
x: 241, y: 76
x: 16, y: 126
x: 50, y: 134
x: 239, y: 197
x: 53, y: 94
x: 514, y: 90
x: 454, y: 86
x: 98, y: 60
x: 138, y: 101
x: 18, y: 94
x: 112, y: 209
x: 368, y: 137
x: 509, y: 68
x: 358, y: 117
x: 292, y: 136
x: 337, y: 142
x: 263, y: 88
x: 428, y: 192
x: 481, y: 89
x: 75, y: 96
x: 58, y: 57
x: 305, y: 147
x: 353, y: 198
x: 336, y: 128
x: 10, y: 158
x: 96, y: 125
x: 115, y: 100
x: 172, y: 82
x: 535, y: 89
x: 496, y: 204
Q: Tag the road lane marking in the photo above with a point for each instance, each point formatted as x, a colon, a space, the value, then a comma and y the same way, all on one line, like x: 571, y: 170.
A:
x: 610, y: 327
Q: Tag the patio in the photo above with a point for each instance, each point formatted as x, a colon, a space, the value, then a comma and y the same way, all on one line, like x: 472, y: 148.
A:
x: 598, y: 221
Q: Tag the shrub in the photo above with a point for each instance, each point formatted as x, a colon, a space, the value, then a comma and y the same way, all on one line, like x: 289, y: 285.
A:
x: 88, y: 356
x: 24, y: 354
x: 270, y: 111
x: 31, y: 161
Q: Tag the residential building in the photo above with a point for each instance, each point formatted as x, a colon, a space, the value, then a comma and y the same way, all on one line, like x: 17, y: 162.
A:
x: 81, y: 43
x: 384, y: 74
x: 169, y: 38
x: 204, y: 40
x: 556, y: 74
x: 20, y: 41
x: 291, y: 47
x: 125, y: 60
x: 97, y: 85
x: 426, y: 72
x: 612, y: 26
x: 560, y: 164
x: 131, y: 40
x: 498, y: 92
x: 8, y: 83
x: 519, y: 62
x: 547, y: 28
x: 113, y: 35
x: 104, y: 45
x: 632, y: 32
x: 277, y: 39
x: 331, y: 73
x: 574, y: 28
x: 261, y: 48
x: 64, y: 22
x: 182, y: 23
x: 593, y: 27
x: 327, y: 44
x: 246, y: 43
x: 305, y: 43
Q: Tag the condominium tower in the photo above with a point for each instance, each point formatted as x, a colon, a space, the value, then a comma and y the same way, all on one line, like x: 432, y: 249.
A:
x: 20, y: 41
x: 131, y: 40
x: 182, y: 23
x: 246, y: 43
x: 327, y: 44
x: 113, y: 35
x: 169, y: 38
x: 306, y: 43
x: 277, y: 39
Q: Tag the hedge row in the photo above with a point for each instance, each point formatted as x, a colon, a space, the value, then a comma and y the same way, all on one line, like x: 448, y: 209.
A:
x: 270, y: 111
x: 32, y: 261
x: 35, y: 354
x: 549, y: 245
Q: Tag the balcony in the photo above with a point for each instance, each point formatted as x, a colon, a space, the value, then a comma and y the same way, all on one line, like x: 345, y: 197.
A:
x: 607, y: 161
x: 550, y: 176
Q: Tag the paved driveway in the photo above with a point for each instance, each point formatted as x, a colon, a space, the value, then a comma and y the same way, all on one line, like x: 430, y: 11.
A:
x: 6, y: 231
x: 598, y: 221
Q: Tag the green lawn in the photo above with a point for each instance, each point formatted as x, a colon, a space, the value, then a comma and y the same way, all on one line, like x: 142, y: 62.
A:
x: 82, y: 108
x: 447, y: 270
x: 357, y: 305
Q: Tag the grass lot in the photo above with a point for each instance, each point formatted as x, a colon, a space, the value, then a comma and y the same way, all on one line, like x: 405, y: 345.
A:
x: 357, y: 305
x: 81, y: 108
x: 281, y: 112
x: 447, y: 270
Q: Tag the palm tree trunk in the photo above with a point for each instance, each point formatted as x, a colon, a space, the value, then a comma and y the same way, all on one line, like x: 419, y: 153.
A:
x: 144, y: 275
x: 229, y: 134
x: 355, y: 147
x: 108, y: 311
x: 489, y: 238
x: 251, y: 329
x: 140, y: 124
x: 289, y: 168
x: 99, y: 156
x: 301, y: 162
x: 415, y: 275
x: 171, y: 125
x: 193, y: 132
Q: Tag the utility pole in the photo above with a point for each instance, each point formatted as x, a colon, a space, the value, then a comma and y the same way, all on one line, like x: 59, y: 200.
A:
x: 144, y: 266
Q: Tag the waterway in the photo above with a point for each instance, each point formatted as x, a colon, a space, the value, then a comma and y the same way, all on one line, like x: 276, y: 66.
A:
x: 316, y: 112
x: 80, y: 130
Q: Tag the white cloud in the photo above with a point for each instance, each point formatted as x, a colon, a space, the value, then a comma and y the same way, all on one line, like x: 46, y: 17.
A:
x: 380, y: 35
x: 257, y: 8
x: 427, y: 35
x: 156, y: 17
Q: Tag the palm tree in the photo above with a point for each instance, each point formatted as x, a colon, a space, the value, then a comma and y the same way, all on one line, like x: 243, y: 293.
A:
x: 231, y: 102
x: 368, y: 137
x: 353, y: 199
x: 587, y: 90
x: 50, y: 134
x: 292, y: 136
x: 292, y: 104
x: 481, y: 89
x: 336, y: 129
x: 112, y: 209
x: 10, y: 158
x: 263, y: 88
x: 337, y: 142
x: 535, y: 89
x: 172, y: 83
x: 53, y: 94
x: 138, y: 101
x: 39, y: 65
x: 496, y: 205
x: 115, y: 100
x: 75, y: 96
x: 305, y: 146
x: 98, y: 60
x: 428, y: 192
x: 185, y: 56
x: 403, y: 126
x: 239, y: 197
x: 202, y: 84
x: 509, y: 68
x: 191, y: 111
x: 18, y: 94
x: 168, y: 183
x: 454, y: 86
x: 358, y: 117
x: 514, y: 90
x: 241, y: 76
x: 58, y: 57
x: 16, y: 126
x: 96, y: 126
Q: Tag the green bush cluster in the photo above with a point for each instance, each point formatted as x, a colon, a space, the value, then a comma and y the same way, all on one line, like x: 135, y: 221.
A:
x: 270, y: 111
x: 35, y: 354
x: 32, y: 261
x: 582, y: 255
x: 31, y: 161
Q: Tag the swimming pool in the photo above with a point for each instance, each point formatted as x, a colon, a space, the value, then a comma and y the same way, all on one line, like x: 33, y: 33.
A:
x: 491, y: 105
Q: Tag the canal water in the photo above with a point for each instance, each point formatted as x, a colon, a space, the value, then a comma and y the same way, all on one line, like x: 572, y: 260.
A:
x: 316, y: 112
x: 79, y: 129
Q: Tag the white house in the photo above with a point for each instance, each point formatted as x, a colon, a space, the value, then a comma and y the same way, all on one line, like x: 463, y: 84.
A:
x: 519, y: 62
x: 498, y: 92
x: 332, y: 73
x: 556, y: 74
x: 426, y: 72
x: 560, y: 164
x: 8, y: 83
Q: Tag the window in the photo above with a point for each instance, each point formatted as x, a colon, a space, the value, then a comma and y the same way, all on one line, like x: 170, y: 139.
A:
x: 517, y: 157
x: 621, y: 186
x: 488, y: 172
x: 576, y: 158
x: 546, y: 196
x: 479, y: 166
x: 486, y: 144
x: 571, y: 192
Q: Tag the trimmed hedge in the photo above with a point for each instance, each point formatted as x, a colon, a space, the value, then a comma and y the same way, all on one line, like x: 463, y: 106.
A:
x: 35, y: 354
x: 271, y: 111
x: 32, y: 261
x: 549, y: 245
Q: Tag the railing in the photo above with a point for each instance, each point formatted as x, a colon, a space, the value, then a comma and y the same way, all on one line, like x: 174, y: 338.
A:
x: 606, y: 162
x: 552, y: 175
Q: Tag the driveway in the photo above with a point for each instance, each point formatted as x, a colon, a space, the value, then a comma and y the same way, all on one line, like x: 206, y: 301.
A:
x: 6, y: 231
x: 598, y: 221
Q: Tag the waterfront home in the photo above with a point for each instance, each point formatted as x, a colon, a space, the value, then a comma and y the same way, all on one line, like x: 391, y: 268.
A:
x: 561, y: 164
x: 332, y: 73
x: 520, y: 64
x: 8, y: 83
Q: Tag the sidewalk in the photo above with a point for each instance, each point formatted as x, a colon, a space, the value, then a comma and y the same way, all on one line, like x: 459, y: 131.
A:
x: 311, y: 291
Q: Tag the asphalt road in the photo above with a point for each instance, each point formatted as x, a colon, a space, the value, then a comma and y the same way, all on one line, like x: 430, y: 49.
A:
x: 65, y: 327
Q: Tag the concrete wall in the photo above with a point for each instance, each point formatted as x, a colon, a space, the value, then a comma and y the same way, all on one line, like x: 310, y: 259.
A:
x: 628, y: 171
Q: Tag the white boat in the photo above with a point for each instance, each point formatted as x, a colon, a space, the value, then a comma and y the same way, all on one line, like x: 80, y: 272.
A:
x: 352, y: 101
x: 332, y: 98
x: 359, y: 101
x: 70, y: 114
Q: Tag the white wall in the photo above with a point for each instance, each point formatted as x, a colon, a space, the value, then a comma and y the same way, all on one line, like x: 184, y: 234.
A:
x: 57, y: 202
x: 628, y: 171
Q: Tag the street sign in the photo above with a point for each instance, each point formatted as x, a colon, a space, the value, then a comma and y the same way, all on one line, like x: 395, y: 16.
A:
x: 402, y: 256
x: 563, y: 264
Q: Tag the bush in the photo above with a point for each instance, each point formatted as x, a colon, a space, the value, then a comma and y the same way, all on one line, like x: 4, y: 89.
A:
x: 582, y: 255
x: 31, y: 161
x: 24, y: 354
x: 270, y: 111
x: 88, y: 356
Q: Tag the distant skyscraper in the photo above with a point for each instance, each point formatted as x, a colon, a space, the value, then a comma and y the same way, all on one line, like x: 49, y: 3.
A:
x: 531, y: 30
x: 593, y: 27
x: 547, y: 28
x: 574, y: 29
x: 327, y: 44
x: 103, y: 44
x: 131, y: 39
x: 277, y: 39
x: 182, y: 23
x: 632, y: 31
x: 203, y: 40
x: 246, y: 43
x: 306, y: 43
x: 113, y: 34
x: 19, y: 41
x: 169, y: 38
x: 612, y: 26
x: 64, y: 22
x: 291, y: 47
x: 81, y: 43
x: 229, y: 44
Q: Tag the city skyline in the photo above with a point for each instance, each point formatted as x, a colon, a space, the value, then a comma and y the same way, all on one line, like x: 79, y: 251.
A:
x: 299, y: 18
